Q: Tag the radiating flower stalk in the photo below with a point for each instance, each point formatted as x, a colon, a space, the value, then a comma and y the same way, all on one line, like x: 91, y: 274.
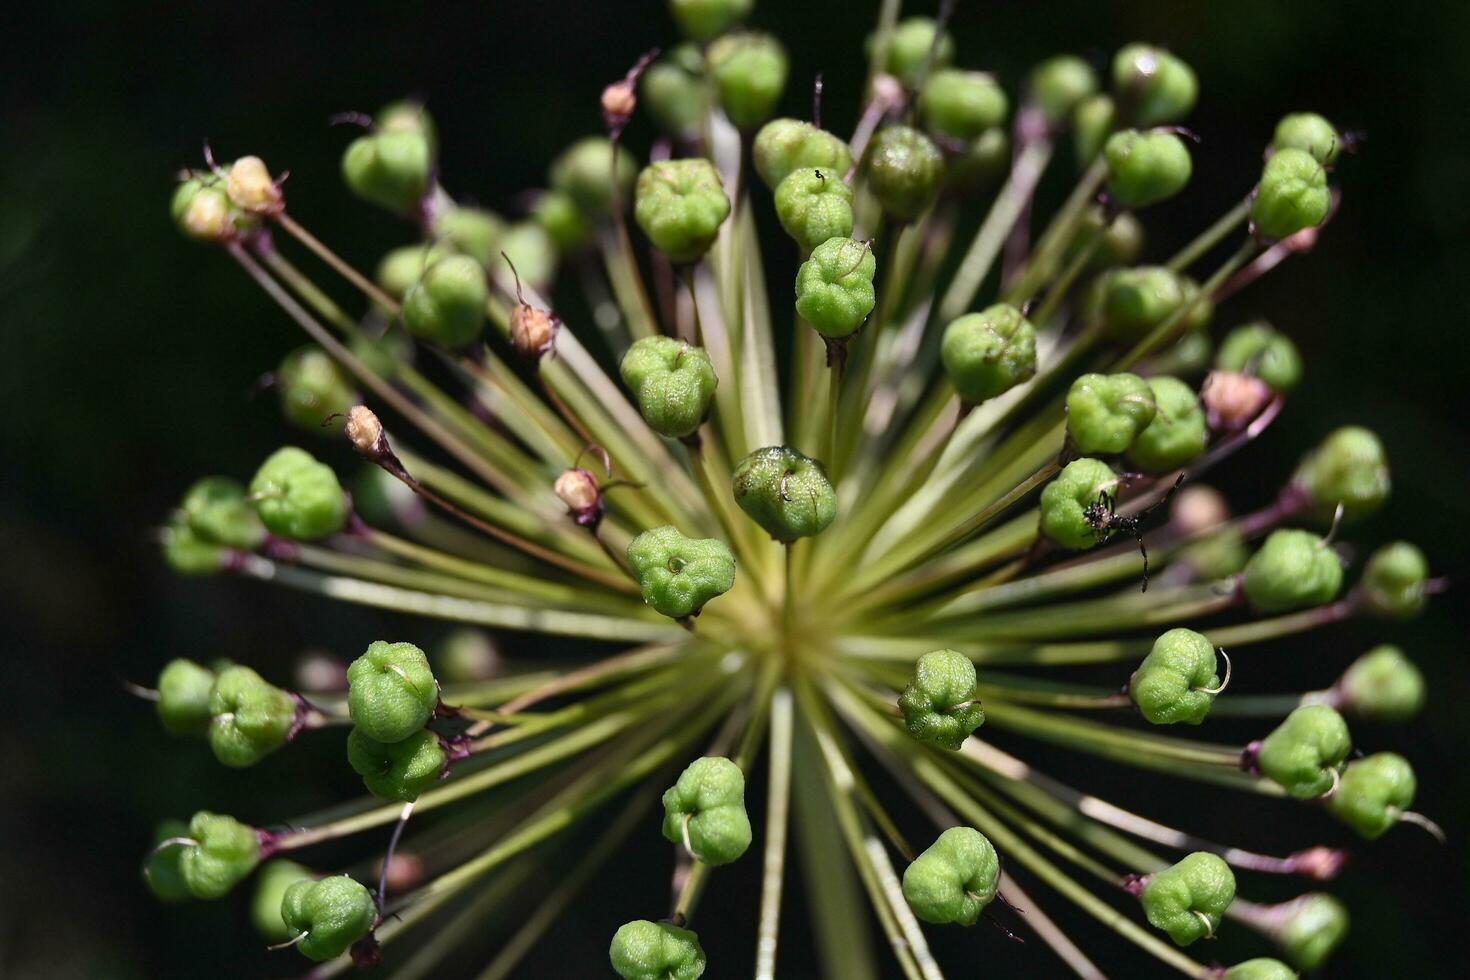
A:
x: 851, y: 562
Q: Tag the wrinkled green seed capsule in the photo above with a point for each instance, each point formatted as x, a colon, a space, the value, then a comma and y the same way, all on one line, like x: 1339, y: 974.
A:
x: 786, y: 493
x: 397, y: 770
x: 673, y: 382
x: 391, y: 691
x: 1394, y: 580
x: 1188, y: 899
x: 1316, y: 925
x: 227, y: 851
x: 184, y: 688
x: 1310, y: 132
x: 311, y: 387
x: 749, y: 71
x: 814, y: 205
x: 250, y: 718
x: 270, y: 889
x: 189, y: 554
x: 702, y: 20
x: 1374, y: 792
x: 1261, y: 351
x: 680, y: 205
x: 1064, y: 502
x: 784, y: 146
x: 708, y: 804
x: 1381, y: 685
x: 939, y: 703
x: 162, y: 872
x: 905, y: 169
x: 1304, y: 752
x: 1155, y: 86
x: 678, y: 575
x: 1177, y: 681
x: 643, y: 950
x: 218, y: 510
x: 1260, y: 968
x: 988, y: 353
x: 559, y: 215
x: 1291, y: 196
x: 1059, y: 83
x: 677, y: 97
x: 446, y: 306
x: 584, y: 172
x: 332, y: 914
x: 298, y: 497
x: 909, y: 46
x: 1292, y: 570
x: 1132, y: 302
x: 1349, y: 468
x: 1145, y: 167
x: 954, y: 879
x: 1178, y: 432
x: 472, y: 231
x: 1107, y: 412
x: 961, y: 105
x: 389, y: 168
x: 1092, y: 123
x: 834, y: 287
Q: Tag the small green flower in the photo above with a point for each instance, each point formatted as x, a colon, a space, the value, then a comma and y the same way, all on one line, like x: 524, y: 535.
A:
x: 749, y: 72
x: 400, y: 770
x: 1093, y: 120
x: 446, y: 306
x: 1292, y: 570
x: 270, y: 889
x: 472, y: 231
x: 250, y: 718
x: 1258, y: 349
x: 390, y: 168
x: 680, y: 206
x: 225, y: 851
x: 1381, y: 685
x: 961, y: 105
x: 162, y: 872
x: 988, y: 353
x: 1065, y: 500
x: 1188, y: 899
x: 1153, y: 85
x: 675, y: 92
x: 834, y: 287
x: 705, y: 810
x: 189, y: 554
x: 1304, y: 752
x: 643, y: 950
x: 1178, y: 432
x: 184, y: 688
x: 939, y: 703
x: 331, y: 914
x: 909, y: 46
x: 786, y: 145
x: 1394, y: 580
x: 814, y: 205
x: 1107, y: 412
x: 1314, y: 926
x: 560, y: 217
x: 217, y: 509
x: 1177, y: 680
x: 905, y: 170
x: 584, y: 172
x: 1292, y: 195
x: 1145, y: 167
x: 404, y: 266
x: 1349, y: 468
x: 1058, y: 84
x: 678, y: 575
x: 311, y: 387
x: 673, y: 383
x: 953, y: 879
x: 1310, y: 132
x: 786, y: 493
x: 1374, y: 793
x: 702, y: 20
x: 392, y: 692
x: 1132, y: 302
x: 298, y: 497
x: 1260, y: 968
x: 534, y: 254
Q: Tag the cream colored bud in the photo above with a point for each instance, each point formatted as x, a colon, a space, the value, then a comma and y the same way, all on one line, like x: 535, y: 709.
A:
x: 532, y: 331
x: 405, y: 870
x: 252, y: 188
x: 578, y: 490
x: 208, y: 216
x: 1233, y: 400
x: 364, y: 429
x: 618, y: 101
x: 887, y: 92
x: 1198, y: 508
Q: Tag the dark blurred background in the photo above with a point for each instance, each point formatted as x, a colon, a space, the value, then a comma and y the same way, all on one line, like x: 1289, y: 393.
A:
x: 129, y: 357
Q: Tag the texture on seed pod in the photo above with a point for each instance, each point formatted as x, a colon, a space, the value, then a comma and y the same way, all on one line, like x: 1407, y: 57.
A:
x: 202, y: 210
x: 1107, y: 412
x: 834, y: 287
x: 678, y: 575
x: 250, y: 718
x: 1260, y: 968
x: 184, y: 689
x: 1292, y: 570
x: 389, y: 168
x: 905, y: 170
x: 271, y: 883
x: 446, y: 306
x: 1188, y: 899
x: 954, y: 879
x: 1304, y: 753
x: 1064, y: 502
x: 1291, y: 196
x: 1177, y: 433
x: 162, y: 871
x: 673, y: 382
x: 749, y: 72
x: 1394, y: 580
x: 1258, y: 349
x: 396, y: 770
x: 1381, y: 685
x: 1058, y: 84
x: 960, y: 105
x: 218, y: 510
x: 1145, y: 167
x: 1310, y: 132
x: 252, y: 189
x: 331, y: 914
x: 786, y: 493
x: 706, y: 808
x: 910, y: 46
x: 311, y: 386
x: 1349, y: 468
x: 702, y: 20
x: 988, y: 353
x: 1313, y: 925
x: 1374, y: 793
x: 786, y: 145
x: 814, y: 205
x: 225, y: 851
x: 392, y: 692
x: 585, y: 173
x: 298, y: 497
x: 1153, y: 85
x: 680, y: 205
x: 939, y: 703
x: 643, y: 950
x: 1176, y: 681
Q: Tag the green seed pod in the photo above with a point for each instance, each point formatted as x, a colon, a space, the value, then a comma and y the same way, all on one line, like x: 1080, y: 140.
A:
x: 226, y: 851
x: 988, y: 353
x: 705, y: 810
x: 1058, y: 84
x: 472, y: 231
x: 1260, y: 968
x: 905, y: 169
x: 391, y: 692
x: 1122, y: 239
x: 1064, y: 502
x: 1304, y: 752
x: 834, y: 287
x: 404, y: 266
x: 814, y: 205
x: 643, y: 950
x: 202, y: 209
x: 1107, y: 412
x: 250, y: 718
x: 559, y: 215
x: 961, y: 105
x: 533, y: 253
x: 410, y: 116
x: 1394, y: 580
x: 184, y: 688
x: 676, y: 96
x: 1155, y: 86
x: 446, y: 306
x: 1145, y: 167
x: 1258, y: 349
x: 584, y: 173
x: 331, y: 914
x: 909, y: 47
x: 1132, y: 302
x: 1349, y: 468
x: 1310, y: 132
x: 1381, y: 685
x: 1177, y: 680
x: 702, y: 20
x: 397, y: 770
x: 217, y: 509
x: 1217, y: 556
x: 1292, y: 570
x: 1092, y: 122
x: 390, y: 168
x: 981, y: 162
x: 1292, y: 195
x: 1374, y: 793
x: 1188, y: 899
x: 680, y: 206
x: 162, y: 872
x: 678, y: 575
x: 785, y: 145
x: 298, y: 497
x: 270, y: 889
x: 939, y: 703
x: 1312, y: 928
x: 311, y: 387
x: 749, y: 72
x: 784, y: 492
x: 954, y: 879
x: 673, y: 382
x: 189, y: 554
x: 1177, y: 433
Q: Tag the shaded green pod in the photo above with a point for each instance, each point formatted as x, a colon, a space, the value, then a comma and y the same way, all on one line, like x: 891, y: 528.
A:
x: 311, y: 387
x: 834, y: 287
x: 1153, y: 85
x: 1292, y: 195
x: 1178, y: 432
x: 988, y: 353
x: 909, y: 48
x: 702, y: 20
x: 184, y: 689
x: 1304, y: 753
x: 1395, y: 581
x: 939, y: 704
x: 749, y: 72
x: 1374, y: 793
x: 680, y: 205
x: 1350, y: 468
x: 1259, y: 350
x: 406, y: 265
x: 471, y: 231
x: 559, y: 215
x: 813, y: 206
x: 1107, y: 412
x: 298, y: 497
x: 218, y: 510
x: 678, y: 575
x: 1058, y: 84
x: 705, y: 810
x: 1310, y: 132
x: 905, y: 170
x: 1082, y: 484
x: 446, y: 306
x: 1093, y: 120
x: 676, y: 96
x: 1188, y: 900
x: 390, y: 168
x: 786, y: 145
x: 960, y: 105
x: 673, y: 382
x: 643, y: 950
x: 954, y: 878
x: 270, y: 889
x: 1145, y: 167
x: 1381, y: 685
x: 1292, y: 570
x: 189, y: 554
x: 786, y: 493
x: 250, y: 718
x: 392, y: 692
x: 400, y: 770
x: 328, y: 916
x: 586, y: 171
x: 224, y: 852
x: 1311, y: 927
x: 1260, y: 968
x: 162, y: 871
x: 1177, y: 681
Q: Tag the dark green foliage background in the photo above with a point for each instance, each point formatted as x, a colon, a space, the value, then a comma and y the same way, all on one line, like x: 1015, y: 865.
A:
x: 129, y: 354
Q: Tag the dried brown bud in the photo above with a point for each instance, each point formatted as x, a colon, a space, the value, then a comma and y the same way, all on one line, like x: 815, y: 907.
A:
x: 365, y: 431
x: 618, y: 102
x: 252, y: 189
x: 1233, y: 400
x: 578, y: 489
x: 532, y: 331
x: 1198, y: 508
